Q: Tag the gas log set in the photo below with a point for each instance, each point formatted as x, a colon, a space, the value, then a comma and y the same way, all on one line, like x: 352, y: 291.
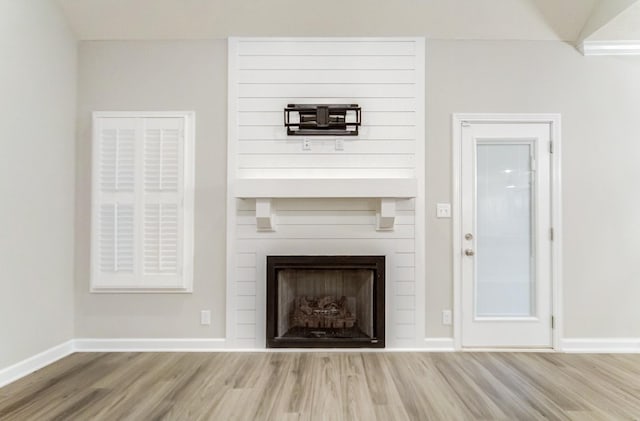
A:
x: 322, y: 312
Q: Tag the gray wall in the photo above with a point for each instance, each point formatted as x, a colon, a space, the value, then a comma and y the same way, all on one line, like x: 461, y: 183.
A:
x: 597, y: 97
x: 158, y: 76
x: 37, y: 164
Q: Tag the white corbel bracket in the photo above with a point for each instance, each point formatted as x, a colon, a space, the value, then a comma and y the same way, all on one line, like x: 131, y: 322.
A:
x: 386, y: 215
x: 264, y: 215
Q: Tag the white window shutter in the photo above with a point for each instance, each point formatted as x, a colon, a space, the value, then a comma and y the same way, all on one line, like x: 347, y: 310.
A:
x: 117, y: 158
x: 116, y: 238
x: 113, y: 222
x: 163, y: 156
x: 161, y: 245
x: 163, y: 195
x: 142, y: 213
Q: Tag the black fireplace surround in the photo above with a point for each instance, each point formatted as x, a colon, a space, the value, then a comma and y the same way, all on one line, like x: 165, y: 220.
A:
x: 325, y: 301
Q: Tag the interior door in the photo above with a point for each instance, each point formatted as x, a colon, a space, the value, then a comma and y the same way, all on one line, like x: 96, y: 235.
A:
x: 506, y: 244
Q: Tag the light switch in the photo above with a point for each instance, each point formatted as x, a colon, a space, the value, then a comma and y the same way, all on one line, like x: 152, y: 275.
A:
x: 205, y: 317
x: 443, y: 210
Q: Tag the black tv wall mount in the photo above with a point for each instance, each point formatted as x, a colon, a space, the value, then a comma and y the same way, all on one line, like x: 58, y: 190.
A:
x: 322, y: 119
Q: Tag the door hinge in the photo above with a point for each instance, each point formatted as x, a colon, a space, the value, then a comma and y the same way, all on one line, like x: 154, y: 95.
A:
x: 550, y: 147
x: 551, y: 234
x: 553, y: 322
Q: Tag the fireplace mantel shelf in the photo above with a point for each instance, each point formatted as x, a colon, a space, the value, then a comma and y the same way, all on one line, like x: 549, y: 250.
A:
x: 274, y: 188
x: 386, y: 190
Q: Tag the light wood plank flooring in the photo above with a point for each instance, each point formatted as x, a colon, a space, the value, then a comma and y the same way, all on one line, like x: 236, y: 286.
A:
x: 328, y: 386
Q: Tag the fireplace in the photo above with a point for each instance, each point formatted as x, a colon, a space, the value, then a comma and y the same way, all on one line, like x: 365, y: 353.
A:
x: 325, y: 301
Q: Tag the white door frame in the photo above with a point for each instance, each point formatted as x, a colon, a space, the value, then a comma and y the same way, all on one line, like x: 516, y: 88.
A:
x: 554, y: 121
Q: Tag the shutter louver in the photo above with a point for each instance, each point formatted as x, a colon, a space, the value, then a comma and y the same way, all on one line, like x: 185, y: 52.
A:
x: 161, y: 160
x: 161, y: 242
x: 117, y: 226
x: 117, y: 160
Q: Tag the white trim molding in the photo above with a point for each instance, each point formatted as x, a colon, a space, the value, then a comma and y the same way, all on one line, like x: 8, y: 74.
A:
x: 439, y: 345
x: 601, y: 345
x: 610, y: 48
x: 150, y: 344
x: 36, y: 362
x: 221, y: 345
x: 554, y: 120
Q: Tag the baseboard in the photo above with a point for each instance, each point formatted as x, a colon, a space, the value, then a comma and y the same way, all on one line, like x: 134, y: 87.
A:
x: 219, y: 345
x: 150, y: 345
x: 439, y: 344
x: 601, y: 345
x: 36, y: 362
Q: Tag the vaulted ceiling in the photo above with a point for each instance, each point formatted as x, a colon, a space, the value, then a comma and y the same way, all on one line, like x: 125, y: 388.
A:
x: 624, y: 26
x: 564, y: 20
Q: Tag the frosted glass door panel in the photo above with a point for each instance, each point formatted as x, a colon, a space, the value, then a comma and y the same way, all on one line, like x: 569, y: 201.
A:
x: 504, y: 246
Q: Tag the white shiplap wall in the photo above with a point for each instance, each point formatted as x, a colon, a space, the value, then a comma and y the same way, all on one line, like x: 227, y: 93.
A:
x: 386, y: 78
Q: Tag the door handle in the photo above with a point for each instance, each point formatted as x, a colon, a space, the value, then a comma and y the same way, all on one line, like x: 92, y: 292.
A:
x: 469, y: 252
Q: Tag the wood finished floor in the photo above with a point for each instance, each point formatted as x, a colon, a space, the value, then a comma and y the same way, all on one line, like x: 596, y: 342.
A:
x: 328, y: 386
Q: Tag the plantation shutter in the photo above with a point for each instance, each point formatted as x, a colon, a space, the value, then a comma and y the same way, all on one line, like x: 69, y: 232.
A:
x: 162, y: 199
x: 142, y: 204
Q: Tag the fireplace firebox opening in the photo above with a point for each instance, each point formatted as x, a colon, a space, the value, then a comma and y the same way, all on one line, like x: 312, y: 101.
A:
x: 325, y: 301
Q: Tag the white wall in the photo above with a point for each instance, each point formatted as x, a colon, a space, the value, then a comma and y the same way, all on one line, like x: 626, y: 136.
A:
x: 597, y: 96
x: 37, y: 165
x: 378, y: 74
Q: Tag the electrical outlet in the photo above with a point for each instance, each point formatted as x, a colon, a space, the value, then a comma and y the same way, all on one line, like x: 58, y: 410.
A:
x: 339, y: 144
x: 205, y: 317
x: 446, y: 317
x: 306, y: 144
x: 443, y: 210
